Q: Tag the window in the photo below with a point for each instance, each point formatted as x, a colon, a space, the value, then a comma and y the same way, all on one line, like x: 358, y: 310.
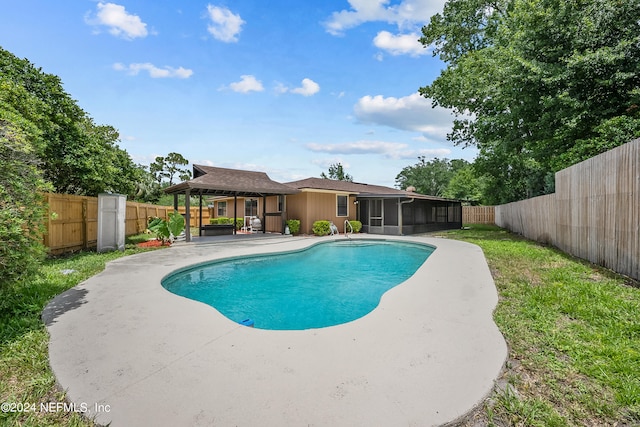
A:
x: 222, y: 208
x: 251, y: 207
x: 281, y: 206
x: 343, y: 208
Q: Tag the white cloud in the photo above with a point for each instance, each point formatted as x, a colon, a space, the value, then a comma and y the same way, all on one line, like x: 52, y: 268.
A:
x: 401, y: 44
x: 120, y: 22
x: 225, y: 25
x: 154, y: 72
x: 411, y: 113
x: 406, y: 14
x: 308, y: 88
x: 391, y: 150
x: 247, y: 83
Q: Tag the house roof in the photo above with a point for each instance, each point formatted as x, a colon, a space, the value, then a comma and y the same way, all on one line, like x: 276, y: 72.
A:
x: 211, y: 180
x: 359, y: 189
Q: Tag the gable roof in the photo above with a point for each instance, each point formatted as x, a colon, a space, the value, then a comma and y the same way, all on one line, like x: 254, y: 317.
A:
x: 211, y: 180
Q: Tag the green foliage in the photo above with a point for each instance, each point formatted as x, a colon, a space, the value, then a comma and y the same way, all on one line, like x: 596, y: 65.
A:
x: 429, y: 177
x: 321, y: 228
x: 21, y: 205
x: 537, y: 85
x: 465, y: 185
x: 167, y: 230
x: 168, y: 167
x: 294, y: 226
x: 76, y: 155
x: 336, y: 171
x: 221, y: 220
x: 357, y: 225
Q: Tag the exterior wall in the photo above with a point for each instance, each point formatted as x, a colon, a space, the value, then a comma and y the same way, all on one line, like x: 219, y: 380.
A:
x: 311, y: 206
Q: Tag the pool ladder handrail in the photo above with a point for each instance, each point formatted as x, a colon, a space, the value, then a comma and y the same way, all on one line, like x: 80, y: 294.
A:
x: 346, y: 222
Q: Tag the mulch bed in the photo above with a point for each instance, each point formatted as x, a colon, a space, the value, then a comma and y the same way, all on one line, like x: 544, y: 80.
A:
x: 152, y: 244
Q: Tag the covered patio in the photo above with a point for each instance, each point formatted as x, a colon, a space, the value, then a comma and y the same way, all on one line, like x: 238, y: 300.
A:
x: 209, y: 181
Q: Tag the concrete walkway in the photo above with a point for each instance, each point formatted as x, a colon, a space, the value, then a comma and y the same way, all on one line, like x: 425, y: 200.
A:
x: 135, y: 354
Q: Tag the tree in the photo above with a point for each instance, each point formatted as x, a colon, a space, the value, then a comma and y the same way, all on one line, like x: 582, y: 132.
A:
x: 429, y: 177
x: 168, y: 167
x: 537, y: 85
x: 21, y: 204
x: 336, y: 171
x: 76, y: 155
x: 465, y: 185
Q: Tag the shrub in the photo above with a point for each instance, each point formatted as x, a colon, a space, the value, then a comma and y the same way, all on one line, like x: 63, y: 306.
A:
x: 321, y: 228
x: 294, y: 225
x: 22, y: 207
x: 167, y: 230
x: 357, y: 225
x: 221, y: 220
x: 225, y: 220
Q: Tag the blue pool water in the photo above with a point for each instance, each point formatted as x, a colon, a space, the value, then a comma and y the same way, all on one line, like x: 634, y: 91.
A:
x: 325, y: 285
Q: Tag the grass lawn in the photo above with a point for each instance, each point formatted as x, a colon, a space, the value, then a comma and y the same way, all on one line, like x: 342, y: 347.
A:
x: 25, y: 375
x: 573, y: 332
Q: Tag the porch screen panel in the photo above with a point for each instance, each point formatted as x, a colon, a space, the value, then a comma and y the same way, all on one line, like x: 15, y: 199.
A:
x: 364, y: 211
x: 390, y: 212
x: 376, y: 213
x: 408, y: 214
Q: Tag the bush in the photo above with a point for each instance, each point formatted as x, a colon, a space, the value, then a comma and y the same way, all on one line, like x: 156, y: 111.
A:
x: 294, y: 225
x: 167, y: 230
x: 357, y: 225
x: 321, y: 228
x: 221, y: 220
x: 22, y: 207
x: 225, y: 220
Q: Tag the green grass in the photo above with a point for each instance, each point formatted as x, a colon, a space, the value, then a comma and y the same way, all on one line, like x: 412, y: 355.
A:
x: 25, y: 375
x: 573, y: 331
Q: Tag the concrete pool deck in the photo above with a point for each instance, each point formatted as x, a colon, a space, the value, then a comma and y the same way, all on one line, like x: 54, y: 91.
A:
x: 134, y: 354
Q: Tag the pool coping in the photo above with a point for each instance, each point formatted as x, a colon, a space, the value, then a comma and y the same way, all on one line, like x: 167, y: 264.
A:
x: 133, y: 353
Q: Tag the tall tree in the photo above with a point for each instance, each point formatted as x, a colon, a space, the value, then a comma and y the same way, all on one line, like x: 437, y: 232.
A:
x: 430, y: 177
x: 76, y: 155
x: 21, y: 184
x: 169, y: 167
x: 336, y: 171
x: 537, y: 85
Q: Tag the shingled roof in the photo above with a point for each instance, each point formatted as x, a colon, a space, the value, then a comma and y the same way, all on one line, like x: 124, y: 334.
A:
x: 216, y: 181
x: 362, y: 190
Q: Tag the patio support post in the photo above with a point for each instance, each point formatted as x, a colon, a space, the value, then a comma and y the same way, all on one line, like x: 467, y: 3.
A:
x: 264, y: 214
x: 235, y: 212
x: 187, y: 208
x: 200, y: 220
x: 175, y: 202
x: 400, y: 217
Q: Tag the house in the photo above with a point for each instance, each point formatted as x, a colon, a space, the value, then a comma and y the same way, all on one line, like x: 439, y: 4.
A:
x: 382, y: 210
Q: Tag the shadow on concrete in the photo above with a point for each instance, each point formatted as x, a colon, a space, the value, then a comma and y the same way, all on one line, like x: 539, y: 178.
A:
x: 69, y: 300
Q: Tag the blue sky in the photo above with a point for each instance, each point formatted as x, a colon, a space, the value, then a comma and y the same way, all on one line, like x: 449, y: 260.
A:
x: 283, y: 87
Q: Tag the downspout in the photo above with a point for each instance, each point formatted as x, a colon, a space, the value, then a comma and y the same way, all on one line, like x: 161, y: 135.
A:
x: 400, y: 214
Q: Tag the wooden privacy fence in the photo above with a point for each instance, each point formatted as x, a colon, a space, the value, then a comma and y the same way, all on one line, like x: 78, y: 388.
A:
x: 478, y: 215
x: 594, y: 213
x: 72, y: 221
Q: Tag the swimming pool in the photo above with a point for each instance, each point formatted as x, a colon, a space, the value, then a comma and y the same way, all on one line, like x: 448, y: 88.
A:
x: 327, y: 284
